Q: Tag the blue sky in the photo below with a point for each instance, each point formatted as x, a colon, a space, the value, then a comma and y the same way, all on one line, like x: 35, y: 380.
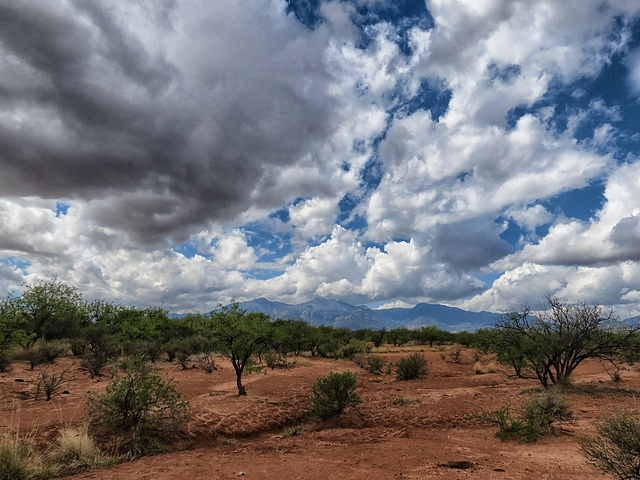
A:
x: 481, y: 154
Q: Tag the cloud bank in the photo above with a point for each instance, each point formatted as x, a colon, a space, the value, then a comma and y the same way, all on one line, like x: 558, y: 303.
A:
x: 480, y: 154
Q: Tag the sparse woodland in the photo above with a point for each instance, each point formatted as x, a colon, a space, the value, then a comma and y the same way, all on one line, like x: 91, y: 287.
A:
x: 130, y: 355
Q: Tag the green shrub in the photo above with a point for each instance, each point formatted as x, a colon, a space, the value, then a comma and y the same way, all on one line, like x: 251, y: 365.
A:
x: 274, y: 359
x: 177, y: 345
x: 333, y: 394
x: 534, y: 419
x: 375, y: 364
x: 508, y: 426
x: 411, y: 367
x: 329, y: 348
x: 96, y: 358
x: 78, y: 346
x: 355, y: 347
x: 541, y: 411
x: 616, y: 449
x: 139, y: 402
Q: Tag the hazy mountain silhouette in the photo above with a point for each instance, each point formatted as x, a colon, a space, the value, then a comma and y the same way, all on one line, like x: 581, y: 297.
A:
x: 343, y: 315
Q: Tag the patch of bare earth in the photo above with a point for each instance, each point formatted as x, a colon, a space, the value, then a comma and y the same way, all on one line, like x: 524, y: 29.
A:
x: 422, y: 429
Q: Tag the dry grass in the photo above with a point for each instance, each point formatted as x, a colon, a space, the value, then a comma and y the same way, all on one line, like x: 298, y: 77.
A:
x: 19, y: 460
x: 493, y: 367
x: 75, y: 451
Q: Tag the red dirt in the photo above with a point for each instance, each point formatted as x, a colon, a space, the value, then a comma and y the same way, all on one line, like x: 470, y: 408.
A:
x: 421, y: 429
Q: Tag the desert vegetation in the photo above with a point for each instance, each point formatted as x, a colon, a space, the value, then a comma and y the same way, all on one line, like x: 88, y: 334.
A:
x: 116, y: 366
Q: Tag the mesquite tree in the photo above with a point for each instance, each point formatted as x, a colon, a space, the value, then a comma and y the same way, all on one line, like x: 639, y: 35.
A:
x: 556, y: 340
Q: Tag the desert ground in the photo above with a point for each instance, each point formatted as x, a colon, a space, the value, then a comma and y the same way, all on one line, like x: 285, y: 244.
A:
x: 421, y: 429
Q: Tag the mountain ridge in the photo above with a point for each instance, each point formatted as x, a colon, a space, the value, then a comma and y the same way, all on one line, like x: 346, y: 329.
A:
x: 340, y: 314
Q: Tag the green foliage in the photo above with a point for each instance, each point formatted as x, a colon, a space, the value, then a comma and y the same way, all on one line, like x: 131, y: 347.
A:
x: 12, y: 332
x: 508, y: 425
x: 535, y: 417
x: 374, y: 364
x: 41, y: 353
x: 431, y: 334
x: 138, y: 401
x: 411, y: 367
x: 541, y: 411
x: 616, y: 448
x: 239, y: 335
x: 399, y: 336
x: 378, y: 337
x: 274, y: 359
x: 51, y: 310
x: 5, y: 361
x: 326, y: 341
x: 333, y: 394
x: 355, y: 347
x: 464, y: 338
x: 292, y: 336
x: 555, y: 341
x: 140, y: 329
x: 99, y: 348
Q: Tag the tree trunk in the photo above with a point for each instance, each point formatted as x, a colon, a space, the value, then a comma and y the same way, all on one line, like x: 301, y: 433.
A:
x: 241, y: 389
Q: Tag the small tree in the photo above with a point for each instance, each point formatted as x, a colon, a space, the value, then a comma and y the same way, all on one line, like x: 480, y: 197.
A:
x: 616, y: 449
x: 239, y: 335
x: 333, y: 394
x: 555, y: 341
x: 51, y: 310
x: 49, y: 384
x: 399, y: 336
x: 430, y: 334
x: 378, y: 336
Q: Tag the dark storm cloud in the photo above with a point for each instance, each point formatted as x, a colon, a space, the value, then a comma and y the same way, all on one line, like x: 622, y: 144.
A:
x: 102, y: 108
x: 626, y: 236
x: 470, y: 244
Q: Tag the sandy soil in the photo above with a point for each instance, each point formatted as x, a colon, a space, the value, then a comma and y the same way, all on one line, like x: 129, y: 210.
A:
x: 421, y: 429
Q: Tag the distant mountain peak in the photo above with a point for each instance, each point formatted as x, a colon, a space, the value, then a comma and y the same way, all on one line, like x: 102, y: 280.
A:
x: 322, y: 311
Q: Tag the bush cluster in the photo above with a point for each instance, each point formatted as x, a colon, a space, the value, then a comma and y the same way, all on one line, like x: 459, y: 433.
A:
x: 534, y: 419
x: 411, y: 367
x: 333, y: 394
x: 138, y: 402
x: 616, y: 448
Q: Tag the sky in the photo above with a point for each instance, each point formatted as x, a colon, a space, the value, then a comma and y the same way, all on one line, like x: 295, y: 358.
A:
x: 476, y: 153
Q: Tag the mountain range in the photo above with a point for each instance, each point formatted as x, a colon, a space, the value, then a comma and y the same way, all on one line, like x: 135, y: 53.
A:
x: 344, y: 315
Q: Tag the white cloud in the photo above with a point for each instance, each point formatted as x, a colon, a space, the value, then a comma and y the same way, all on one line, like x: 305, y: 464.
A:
x: 395, y: 304
x: 172, y: 121
x: 529, y: 218
x: 314, y: 217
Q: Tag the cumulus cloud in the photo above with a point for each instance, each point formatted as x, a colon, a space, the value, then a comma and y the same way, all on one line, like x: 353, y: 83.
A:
x: 163, y: 125
x: 294, y: 161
